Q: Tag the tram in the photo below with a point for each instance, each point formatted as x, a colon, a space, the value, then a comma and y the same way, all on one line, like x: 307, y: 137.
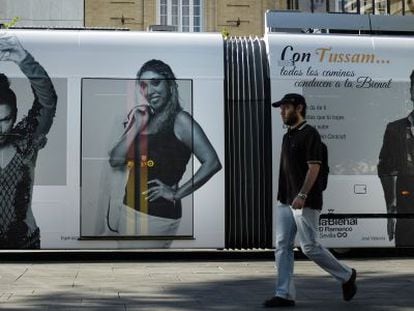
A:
x: 144, y: 140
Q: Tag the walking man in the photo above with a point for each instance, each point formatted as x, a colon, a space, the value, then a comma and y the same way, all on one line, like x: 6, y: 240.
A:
x: 300, y: 198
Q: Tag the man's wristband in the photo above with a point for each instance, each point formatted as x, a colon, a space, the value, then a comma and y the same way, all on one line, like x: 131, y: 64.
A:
x: 302, y: 196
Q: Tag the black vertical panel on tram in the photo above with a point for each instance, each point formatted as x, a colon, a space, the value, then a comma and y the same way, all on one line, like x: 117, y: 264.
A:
x: 248, y: 145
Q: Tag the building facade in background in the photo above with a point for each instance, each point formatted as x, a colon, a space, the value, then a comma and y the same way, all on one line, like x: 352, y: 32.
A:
x: 39, y: 13
x: 235, y: 17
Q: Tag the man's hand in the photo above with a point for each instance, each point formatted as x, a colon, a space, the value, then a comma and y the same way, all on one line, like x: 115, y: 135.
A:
x: 11, y: 49
x: 298, y: 203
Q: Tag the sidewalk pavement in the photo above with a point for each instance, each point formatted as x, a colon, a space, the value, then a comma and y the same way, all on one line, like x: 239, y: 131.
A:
x: 188, y: 284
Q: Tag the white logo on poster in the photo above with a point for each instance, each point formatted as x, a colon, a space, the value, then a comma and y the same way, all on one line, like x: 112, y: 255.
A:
x: 331, y: 228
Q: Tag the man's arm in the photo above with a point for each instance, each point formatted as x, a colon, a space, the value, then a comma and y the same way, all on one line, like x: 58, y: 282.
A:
x: 40, y: 116
x: 310, y: 179
x: 44, y: 106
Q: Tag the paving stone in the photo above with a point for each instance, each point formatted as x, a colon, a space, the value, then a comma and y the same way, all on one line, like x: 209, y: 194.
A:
x: 383, y: 284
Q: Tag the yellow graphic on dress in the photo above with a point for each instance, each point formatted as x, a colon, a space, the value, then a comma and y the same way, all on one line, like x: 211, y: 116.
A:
x: 134, y: 228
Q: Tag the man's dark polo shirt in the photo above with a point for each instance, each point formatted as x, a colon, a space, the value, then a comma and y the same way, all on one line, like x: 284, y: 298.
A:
x: 301, y: 146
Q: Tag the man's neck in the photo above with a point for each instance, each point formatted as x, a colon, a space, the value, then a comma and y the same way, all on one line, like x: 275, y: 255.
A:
x: 300, y: 121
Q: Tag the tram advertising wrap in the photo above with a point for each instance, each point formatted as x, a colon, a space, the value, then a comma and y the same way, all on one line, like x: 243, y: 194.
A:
x: 117, y: 140
x: 360, y: 99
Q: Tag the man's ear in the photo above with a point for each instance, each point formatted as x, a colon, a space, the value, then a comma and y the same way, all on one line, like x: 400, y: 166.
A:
x: 299, y: 108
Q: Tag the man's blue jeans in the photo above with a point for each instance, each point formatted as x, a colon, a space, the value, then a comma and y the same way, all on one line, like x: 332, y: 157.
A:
x: 304, y: 223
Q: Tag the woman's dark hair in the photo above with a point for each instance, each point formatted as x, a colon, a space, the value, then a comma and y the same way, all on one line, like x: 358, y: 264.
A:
x: 167, y: 117
x: 7, y: 96
x: 157, y: 66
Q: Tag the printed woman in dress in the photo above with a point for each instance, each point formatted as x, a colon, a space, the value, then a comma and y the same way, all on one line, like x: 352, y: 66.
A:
x: 158, y: 141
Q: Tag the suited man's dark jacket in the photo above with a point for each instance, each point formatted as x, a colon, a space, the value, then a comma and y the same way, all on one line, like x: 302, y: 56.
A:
x: 393, y: 162
x: 393, y: 155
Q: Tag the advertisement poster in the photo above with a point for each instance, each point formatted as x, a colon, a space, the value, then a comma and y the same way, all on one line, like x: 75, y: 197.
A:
x: 33, y: 122
x: 139, y: 143
x: 356, y: 89
x: 111, y: 140
x: 119, y: 204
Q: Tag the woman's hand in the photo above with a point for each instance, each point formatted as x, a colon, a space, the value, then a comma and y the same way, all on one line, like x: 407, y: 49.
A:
x: 136, y: 121
x: 11, y: 49
x: 159, y: 190
x: 138, y: 117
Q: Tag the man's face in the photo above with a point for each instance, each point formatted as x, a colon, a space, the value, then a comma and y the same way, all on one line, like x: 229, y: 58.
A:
x: 154, y: 88
x: 289, y: 114
x: 6, y: 121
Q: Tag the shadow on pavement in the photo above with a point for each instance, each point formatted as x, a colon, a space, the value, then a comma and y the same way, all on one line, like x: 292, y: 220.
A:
x: 376, y: 292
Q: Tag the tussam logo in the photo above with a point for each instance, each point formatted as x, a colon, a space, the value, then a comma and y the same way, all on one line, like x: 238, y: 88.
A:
x: 289, y: 56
